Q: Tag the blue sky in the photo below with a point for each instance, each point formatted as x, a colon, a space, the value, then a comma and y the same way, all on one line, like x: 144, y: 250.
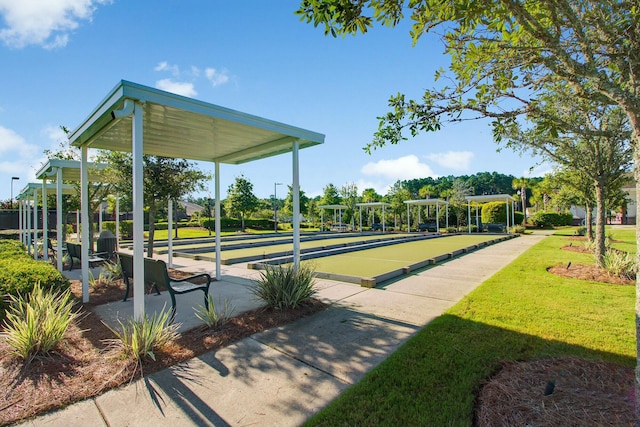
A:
x: 60, y: 58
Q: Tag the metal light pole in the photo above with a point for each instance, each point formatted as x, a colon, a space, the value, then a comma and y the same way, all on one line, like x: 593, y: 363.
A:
x: 13, y: 178
x: 275, y: 206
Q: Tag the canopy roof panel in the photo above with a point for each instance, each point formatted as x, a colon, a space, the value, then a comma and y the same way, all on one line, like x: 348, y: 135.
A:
x: 70, y: 170
x: 372, y: 204
x: 180, y: 127
x: 28, y: 190
x: 490, y: 198
x: 333, y: 207
x: 426, y: 202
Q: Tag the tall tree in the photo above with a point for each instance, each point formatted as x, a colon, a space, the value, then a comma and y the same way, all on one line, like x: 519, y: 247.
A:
x: 349, y: 195
x: 288, y: 202
x: 521, y: 185
x: 397, y: 195
x: 164, y: 179
x: 330, y: 196
x: 240, y: 198
x: 593, y: 141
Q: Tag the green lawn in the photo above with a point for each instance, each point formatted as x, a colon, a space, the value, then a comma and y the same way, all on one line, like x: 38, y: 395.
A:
x: 377, y: 261
x: 521, y: 313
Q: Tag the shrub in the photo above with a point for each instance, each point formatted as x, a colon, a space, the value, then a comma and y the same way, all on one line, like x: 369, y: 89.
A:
x: 138, y: 339
x: 494, y: 213
x: 619, y: 263
x: 581, y: 231
x: 19, y: 273
x: 549, y: 219
x: 284, y: 287
x: 37, y: 323
x: 212, y: 317
x: 518, y: 229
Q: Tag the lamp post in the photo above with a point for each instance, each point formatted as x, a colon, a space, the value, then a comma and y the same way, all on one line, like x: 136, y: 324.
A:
x: 275, y: 206
x: 13, y: 178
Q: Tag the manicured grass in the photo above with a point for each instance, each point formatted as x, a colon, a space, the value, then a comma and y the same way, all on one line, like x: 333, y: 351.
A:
x: 521, y: 313
x: 627, y: 237
x: 377, y: 261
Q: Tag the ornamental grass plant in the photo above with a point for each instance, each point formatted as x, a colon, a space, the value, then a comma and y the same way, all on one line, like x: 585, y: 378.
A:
x: 215, y: 317
x: 35, y: 323
x: 139, y: 338
x: 285, y: 287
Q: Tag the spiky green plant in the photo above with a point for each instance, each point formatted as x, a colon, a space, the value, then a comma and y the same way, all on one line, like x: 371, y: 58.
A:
x: 619, y: 263
x: 139, y: 339
x: 215, y: 317
x: 285, y: 287
x: 36, y: 323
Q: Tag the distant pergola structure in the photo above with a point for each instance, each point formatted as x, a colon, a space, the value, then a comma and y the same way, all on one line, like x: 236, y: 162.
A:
x: 28, y: 215
x: 337, y: 212
x: 486, y: 198
x: 427, y: 202
x: 61, y: 171
x: 143, y: 120
x: 373, y: 205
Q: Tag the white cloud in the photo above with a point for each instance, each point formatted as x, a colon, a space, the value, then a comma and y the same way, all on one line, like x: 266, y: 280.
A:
x: 456, y: 160
x: 407, y: 167
x: 165, y: 66
x: 13, y: 144
x: 381, y: 188
x: 539, y: 170
x: 43, y: 22
x: 180, y: 88
x: 216, y: 77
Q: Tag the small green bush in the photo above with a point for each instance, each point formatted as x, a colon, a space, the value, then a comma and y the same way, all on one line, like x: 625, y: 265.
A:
x: 36, y: 323
x: 581, y: 231
x: 284, y: 287
x: 139, y: 339
x: 494, y: 213
x: 550, y: 219
x: 619, y: 263
x: 215, y: 317
x: 19, y: 273
x: 518, y: 229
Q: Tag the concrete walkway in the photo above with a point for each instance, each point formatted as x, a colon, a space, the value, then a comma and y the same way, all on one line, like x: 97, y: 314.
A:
x: 284, y: 375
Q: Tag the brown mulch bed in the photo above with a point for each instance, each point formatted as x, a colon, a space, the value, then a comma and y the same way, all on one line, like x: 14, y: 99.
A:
x: 558, y: 392
x: 85, y: 366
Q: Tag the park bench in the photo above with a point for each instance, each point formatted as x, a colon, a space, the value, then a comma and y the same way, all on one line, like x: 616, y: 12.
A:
x: 376, y: 227
x: 75, y: 252
x: 126, y: 263
x: 494, y: 228
x: 156, y: 274
x: 428, y: 226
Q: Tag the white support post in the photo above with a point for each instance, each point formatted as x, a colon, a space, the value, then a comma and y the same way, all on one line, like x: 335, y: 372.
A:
x: 170, y: 234
x: 138, y: 214
x: 296, y: 206
x: 117, y: 222
x: 78, y: 228
x: 59, y: 234
x: 84, y: 223
x: 469, y: 216
x: 29, y: 234
x: 383, y: 221
x: 360, y: 209
x: 217, y: 219
x: 20, y: 220
x: 35, y: 224
x: 437, y: 217
x: 408, y: 218
x: 45, y: 221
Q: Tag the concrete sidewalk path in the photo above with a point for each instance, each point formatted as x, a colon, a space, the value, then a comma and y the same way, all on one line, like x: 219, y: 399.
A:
x: 282, y: 376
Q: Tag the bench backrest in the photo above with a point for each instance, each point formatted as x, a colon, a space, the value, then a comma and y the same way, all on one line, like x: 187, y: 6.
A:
x: 73, y: 249
x: 155, y: 270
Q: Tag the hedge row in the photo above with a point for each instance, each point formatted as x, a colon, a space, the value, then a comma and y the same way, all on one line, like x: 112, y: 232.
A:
x: 19, y: 273
x: 549, y: 219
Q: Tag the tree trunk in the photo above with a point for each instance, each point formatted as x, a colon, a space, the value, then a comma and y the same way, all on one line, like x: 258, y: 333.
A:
x: 600, y: 246
x: 242, y: 221
x: 588, y: 213
x: 152, y: 230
